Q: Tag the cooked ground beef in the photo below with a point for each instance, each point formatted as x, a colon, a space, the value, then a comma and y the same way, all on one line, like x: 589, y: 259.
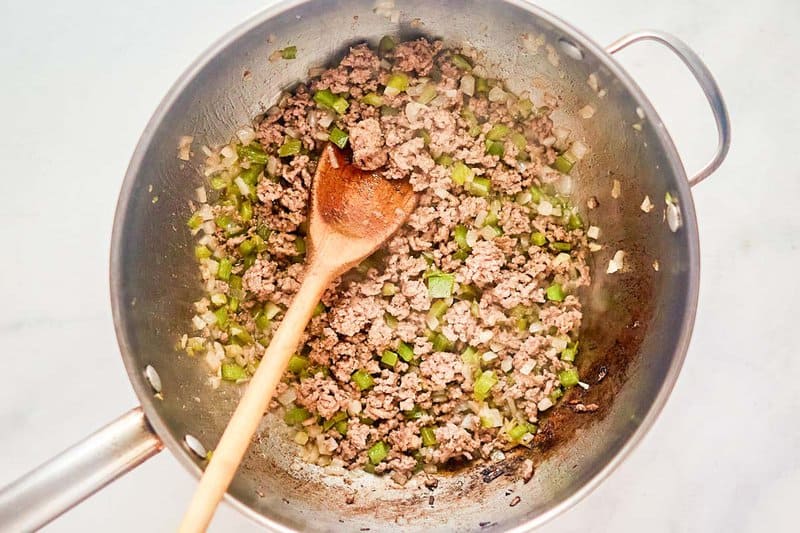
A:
x: 447, y: 343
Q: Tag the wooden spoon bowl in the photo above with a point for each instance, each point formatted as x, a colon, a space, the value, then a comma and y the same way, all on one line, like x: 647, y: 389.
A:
x: 353, y: 211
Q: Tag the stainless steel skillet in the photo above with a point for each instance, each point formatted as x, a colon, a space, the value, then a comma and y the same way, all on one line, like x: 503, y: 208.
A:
x: 638, y: 321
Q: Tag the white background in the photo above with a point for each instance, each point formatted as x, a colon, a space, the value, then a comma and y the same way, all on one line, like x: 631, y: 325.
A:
x: 79, y: 80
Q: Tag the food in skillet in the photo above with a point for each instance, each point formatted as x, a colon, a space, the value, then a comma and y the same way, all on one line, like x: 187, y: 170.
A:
x: 448, y: 344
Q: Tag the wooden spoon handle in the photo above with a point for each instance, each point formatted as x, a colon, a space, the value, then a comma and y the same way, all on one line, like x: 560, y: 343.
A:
x: 254, y: 403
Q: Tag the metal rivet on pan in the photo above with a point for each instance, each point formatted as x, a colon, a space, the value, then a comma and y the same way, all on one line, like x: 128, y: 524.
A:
x: 674, y: 217
x: 152, y: 378
x: 570, y: 48
x: 195, y: 446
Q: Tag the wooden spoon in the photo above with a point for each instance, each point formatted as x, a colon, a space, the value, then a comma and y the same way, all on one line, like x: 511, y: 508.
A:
x: 352, y: 213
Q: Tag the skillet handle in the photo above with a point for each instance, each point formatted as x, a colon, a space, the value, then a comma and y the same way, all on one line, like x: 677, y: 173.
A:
x: 704, y: 79
x: 67, y: 479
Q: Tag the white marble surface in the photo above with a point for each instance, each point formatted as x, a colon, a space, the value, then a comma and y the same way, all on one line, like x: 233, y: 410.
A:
x: 79, y: 81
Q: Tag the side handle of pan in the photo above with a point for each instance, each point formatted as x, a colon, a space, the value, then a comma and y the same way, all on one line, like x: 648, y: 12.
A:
x: 704, y: 79
x: 54, y: 487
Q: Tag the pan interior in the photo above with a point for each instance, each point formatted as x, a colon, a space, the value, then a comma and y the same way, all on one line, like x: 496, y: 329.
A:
x: 637, y: 321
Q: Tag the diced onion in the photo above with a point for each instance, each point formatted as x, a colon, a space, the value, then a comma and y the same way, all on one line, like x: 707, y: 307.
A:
x: 185, y: 147
x: 432, y: 322
x: 586, y: 112
x: 561, y: 134
x: 198, y: 322
x: 552, y: 56
x: 200, y: 194
x: 439, y: 101
x: 506, y: 365
x: 524, y: 197
x: 469, y: 421
x: 244, y: 188
x: 301, y: 438
x: 561, y: 259
x: 233, y: 351
x: 496, y: 94
x: 467, y: 85
x: 415, y: 90
x: 615, y: 264
x: 287, y: 397
x: 564, y: 184
x: 578, y: 150
x: 647, y: 205
x: 490, y: 417
x: 527, y: 367
x: 227, y: 152
x: 488, y: 233
x: 616, y: 189
x: 545, y: 208
x: 472, y: 238
x: 480, y: 71
x: 209, y: 227
x: 212, y: 266
x: 489, y: 356
x: 485, y: 336
x: 531, y: 43
x: 312, y: 117
x: 592, y: 81
x: 549, y: 141
x: 559, y: 343
x: 544, y: 404
x: 593, y: 232
x: 273, y: 166
x: 326, y: 119
x: 246, y: 135
x: 205, y: 211
x: 413, y: 110
x: 353, y: 407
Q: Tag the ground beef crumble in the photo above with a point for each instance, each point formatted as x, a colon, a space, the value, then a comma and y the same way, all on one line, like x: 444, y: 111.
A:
x: 510, y: 313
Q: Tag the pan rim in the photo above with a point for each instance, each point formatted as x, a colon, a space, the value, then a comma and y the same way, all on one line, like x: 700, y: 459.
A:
x: 119, y: 307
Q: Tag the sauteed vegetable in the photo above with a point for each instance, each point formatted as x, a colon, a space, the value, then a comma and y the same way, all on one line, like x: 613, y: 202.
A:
x: 451, y: 342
